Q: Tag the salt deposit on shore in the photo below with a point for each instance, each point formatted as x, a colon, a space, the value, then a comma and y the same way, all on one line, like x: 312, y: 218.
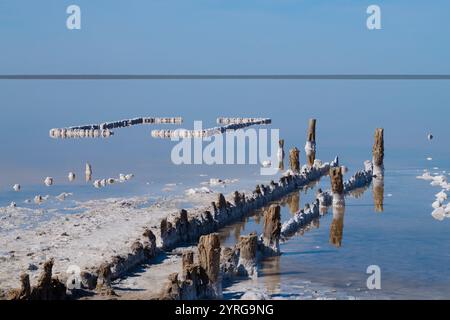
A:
x: 104, y: 229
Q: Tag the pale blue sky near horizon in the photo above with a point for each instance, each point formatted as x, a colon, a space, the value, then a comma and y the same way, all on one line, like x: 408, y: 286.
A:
x: 218, y: 37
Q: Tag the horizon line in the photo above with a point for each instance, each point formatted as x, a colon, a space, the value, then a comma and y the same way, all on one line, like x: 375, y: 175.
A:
x: 224, y: 76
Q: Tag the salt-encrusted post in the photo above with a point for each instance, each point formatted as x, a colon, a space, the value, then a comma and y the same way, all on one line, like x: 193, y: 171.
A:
x: 272, y: 228
x: 337, y: 226
x: 310, y: 147
x: 187, y: 260
x: 378, y: 152
x: 25, y: 290
x: 88, y: 172
x: 378, y: 169
x: 221, y: 202
x: 247, y: 264
x: 280, y: 154
x: 104, y: 280
x: 209, y: 260
x: 294, y: 160
x: 337, y: 186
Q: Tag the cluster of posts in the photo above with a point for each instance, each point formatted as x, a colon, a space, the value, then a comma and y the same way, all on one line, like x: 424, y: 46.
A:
x: 226, y: 124
x: 203, y: 279
x: 104, y: 130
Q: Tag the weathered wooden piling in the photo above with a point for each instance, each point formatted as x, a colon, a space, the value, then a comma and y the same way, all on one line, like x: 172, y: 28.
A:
x: 337, y: 186
x: 310, y: 147
x: 209, y: 260
x: 280, y: 154
x: 247, y: 264
x: 221, y: 202
x: 187, y: 260
x: 294, y: 160
x: 104, y: 280
x: 337, y: 226
x: 378, y: 169
x: 378, y: 148
x: 25, y: 290
x: 272, y: 228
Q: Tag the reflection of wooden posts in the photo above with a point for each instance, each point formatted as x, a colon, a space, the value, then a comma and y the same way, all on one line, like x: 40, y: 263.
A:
x: 294, y: 160
x: 378, y: 169
x: 209, y: 260
x: 337, y: 186
x: 247, y: 254
x: 280, y: 154
x: 272, y: 267
x: 378, y: 193
x: 88, y: 172
x: 294, y: 202
x: 310, y: 147
x: 337, y: 226
x: 272, y: 228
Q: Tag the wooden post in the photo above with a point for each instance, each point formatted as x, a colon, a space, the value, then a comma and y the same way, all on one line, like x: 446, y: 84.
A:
x: 337, y: 186
x: 221, y: 202
x: 104, y: 279
x: 187, y: 260
x: 294, y: 160
x: 378, y: 148
x: 25, y: 290
x: 272, y: 228
x: 378, y: 169
x: 88, y: 172
x: 247, y: 254
x: 310, y: 147
x: 281, y: 154
x: 209, y: 260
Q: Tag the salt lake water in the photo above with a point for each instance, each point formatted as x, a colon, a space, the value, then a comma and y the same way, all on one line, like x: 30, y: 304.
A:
x: 411, y: 248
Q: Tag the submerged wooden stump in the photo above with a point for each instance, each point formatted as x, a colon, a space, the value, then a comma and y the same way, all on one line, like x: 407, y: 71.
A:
x: 272, y: 228
x: 247, y: 264
x: 310, y: 147
x: 294, y: 160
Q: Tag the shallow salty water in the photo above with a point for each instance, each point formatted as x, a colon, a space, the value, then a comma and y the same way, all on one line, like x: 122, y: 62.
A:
x: 410, y: 247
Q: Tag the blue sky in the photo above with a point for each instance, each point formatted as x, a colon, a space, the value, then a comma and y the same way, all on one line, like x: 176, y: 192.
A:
x: 224, y: 36
x: 210, y: 37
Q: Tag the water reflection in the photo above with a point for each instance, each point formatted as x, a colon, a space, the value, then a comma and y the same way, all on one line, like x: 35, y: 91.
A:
x: 337, y: 226
x: 378, y: 193
x: 271, y: 272
x: 293, y: 202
